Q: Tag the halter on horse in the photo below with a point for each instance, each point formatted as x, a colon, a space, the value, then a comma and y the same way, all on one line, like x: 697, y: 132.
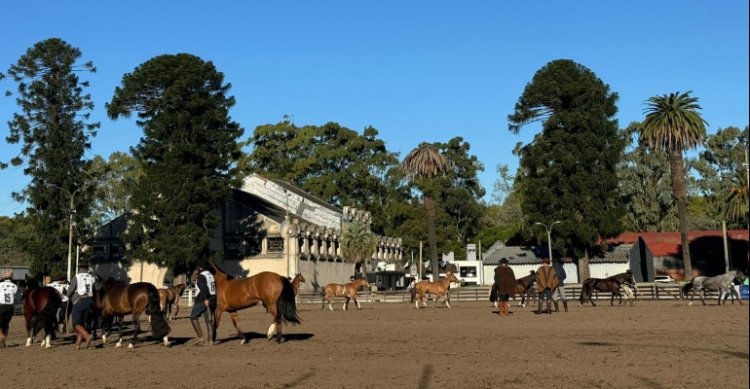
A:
x: 437, y: 288
x: 720, y: 283
x: 40, y: 304
x: 608, y: 285
x: 348, y: 291
x: 169, y: 297
x: 117, y: 300
x: 524, y: 288
x: 273, y: 290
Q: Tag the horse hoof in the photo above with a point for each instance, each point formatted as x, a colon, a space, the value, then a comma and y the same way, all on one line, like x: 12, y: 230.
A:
x: 131, y: 345
x: 280, y: 339
x: 243, y: 341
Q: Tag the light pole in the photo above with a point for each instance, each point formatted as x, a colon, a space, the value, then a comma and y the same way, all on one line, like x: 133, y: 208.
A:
x: 549, y: 236
x: 71, y: 212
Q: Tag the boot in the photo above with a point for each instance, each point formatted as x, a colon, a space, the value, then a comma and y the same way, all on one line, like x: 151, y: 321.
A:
x: 210, y: 337
x: 549, y: 307
x: 565, y: 305
x: 197, y: 327
x: 557, y: 306
x: 539, y: 311
x: 84, y: 337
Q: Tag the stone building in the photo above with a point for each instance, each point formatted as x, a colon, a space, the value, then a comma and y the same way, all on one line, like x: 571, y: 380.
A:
x: 267, y: 225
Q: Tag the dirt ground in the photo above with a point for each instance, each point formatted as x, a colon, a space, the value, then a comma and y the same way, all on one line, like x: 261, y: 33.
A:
x: 654, y: 344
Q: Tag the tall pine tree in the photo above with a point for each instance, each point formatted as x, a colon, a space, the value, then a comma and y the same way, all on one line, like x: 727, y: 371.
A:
x: 188, y: 154
x: 54, y: 130
x: 568, y: 172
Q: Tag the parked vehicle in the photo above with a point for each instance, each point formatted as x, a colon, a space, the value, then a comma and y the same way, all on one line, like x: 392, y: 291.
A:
x: 663, y: 279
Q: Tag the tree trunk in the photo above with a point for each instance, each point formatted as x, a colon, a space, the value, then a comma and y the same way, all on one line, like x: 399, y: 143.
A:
x: 583, y: 267
x: 680, y: 193
x: 429, y: 206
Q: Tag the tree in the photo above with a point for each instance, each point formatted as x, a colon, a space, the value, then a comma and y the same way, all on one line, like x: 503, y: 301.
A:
x: 422, y: 165
x: 674, y: 125
x: 645, y: 184
x: 187, y: 154
x: 13, y: 233
x: 115, y: 178
x: 722, y: 179
x: 54, y: 131
x: 358, y: 243
x: 331, y: 162
x: 567, y: 172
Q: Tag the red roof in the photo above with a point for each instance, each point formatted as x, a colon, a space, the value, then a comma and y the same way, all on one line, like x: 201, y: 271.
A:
x: 667, y: 244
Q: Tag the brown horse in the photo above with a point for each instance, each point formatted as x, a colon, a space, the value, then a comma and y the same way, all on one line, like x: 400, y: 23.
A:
x: 348, y: 291
x: 118, y: 300
x: 608, y: 285
x: 524, y: 288
x: 437, y: 288
x: 169, y: 297
x: 298, y: 279
x: 40, y: 304
x: 271, y: 289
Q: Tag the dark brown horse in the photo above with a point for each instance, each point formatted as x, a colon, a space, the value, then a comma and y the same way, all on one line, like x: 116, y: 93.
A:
x: 40, y: 304
x: 271, y: 289
x: 348, y: 291
x: 169, y: 297
x: 607, y: 285
x: 524, y: 288
x: 119, y: 299
x: 437, y: 288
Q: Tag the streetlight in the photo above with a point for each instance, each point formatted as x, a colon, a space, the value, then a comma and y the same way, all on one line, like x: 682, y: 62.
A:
x: 71, y: 212
x: 549, y: 236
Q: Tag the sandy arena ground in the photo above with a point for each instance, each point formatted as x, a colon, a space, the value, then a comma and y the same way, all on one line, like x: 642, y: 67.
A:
x: 664, y: 344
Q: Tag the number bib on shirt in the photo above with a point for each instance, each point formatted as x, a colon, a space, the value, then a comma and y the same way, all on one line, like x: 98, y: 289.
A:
x: 7, y: 293
x: 210, y: 281
x: 85, y: 284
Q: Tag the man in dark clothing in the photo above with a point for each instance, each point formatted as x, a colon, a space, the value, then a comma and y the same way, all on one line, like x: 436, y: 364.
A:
x: 205, y: 305
x: 506, y: 285
x: 559, y: 293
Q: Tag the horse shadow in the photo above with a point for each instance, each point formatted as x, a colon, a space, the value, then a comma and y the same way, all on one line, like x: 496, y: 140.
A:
x: 248, y: 336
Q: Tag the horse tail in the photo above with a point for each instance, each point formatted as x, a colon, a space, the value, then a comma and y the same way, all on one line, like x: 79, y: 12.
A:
x: 413, y: 293
x: 47, y: 317
x: 286, y: 304
x: 159, y: 326
x: 687, y: 287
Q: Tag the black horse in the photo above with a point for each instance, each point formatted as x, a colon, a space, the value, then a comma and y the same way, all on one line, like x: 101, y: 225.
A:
x: 607, y: 285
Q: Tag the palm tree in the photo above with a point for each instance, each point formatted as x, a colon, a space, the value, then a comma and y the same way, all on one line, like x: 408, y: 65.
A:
x: 736, y: 202
x: 358, y: 243
x: 674, y: 125
x: 426, y: 162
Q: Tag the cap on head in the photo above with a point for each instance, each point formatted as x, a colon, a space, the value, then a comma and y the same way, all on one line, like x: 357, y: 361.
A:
x: 504, y: 260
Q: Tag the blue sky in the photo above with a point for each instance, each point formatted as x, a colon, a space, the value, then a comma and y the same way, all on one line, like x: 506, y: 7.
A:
x: 415, y: 70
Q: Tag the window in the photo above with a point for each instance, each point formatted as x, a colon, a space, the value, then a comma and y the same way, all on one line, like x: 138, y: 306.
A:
x: 275, y: 245
x: 468, y: 271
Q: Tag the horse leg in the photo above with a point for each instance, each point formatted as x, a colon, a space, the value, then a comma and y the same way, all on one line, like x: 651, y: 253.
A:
x: 346, y: 302
x: 136, y: 329
x: 176, y: 308
x: 356, y: 302
x: 236, y: 321
x: 447, y: 300
x: 29, y: 334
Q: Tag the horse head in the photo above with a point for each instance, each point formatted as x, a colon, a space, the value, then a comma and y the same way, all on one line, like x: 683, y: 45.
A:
x: 452, y: 277
x: 739, y: 276
x: 30, y: 283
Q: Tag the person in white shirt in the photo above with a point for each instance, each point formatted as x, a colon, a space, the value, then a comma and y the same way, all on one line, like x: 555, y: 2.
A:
x: 8, y: 292
x: 81, y: 293
x: 60, y: 284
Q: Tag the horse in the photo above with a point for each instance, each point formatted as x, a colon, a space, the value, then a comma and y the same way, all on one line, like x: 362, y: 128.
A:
x: 629, y: 291
x: 438, y: 288
x: 610, y: 284
x: 169, y: 297
x: 40, y: 305
x: 720, y: 283
x: 348, y: 291
x: 524, y: 288
x: 298, y: 279
x: 273, y: 290
x: 118, y: 299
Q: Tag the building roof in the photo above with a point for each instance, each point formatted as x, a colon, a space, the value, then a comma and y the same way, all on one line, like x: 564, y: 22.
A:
x: 667, y: 244
x: 614, y: 254
x: 516, y: 255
